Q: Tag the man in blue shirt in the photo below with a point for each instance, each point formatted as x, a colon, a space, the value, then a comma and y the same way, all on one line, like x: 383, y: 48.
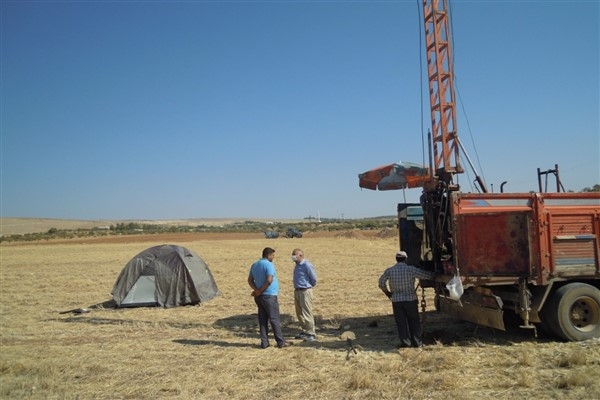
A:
x: 398, y: 284
x: 305, y: 279
x: 265, y: 288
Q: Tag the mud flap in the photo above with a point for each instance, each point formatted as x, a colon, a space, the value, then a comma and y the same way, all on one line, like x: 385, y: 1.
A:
x: 475, y: 313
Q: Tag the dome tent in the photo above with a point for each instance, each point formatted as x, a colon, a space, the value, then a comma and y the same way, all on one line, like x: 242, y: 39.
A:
x: 166, y: 276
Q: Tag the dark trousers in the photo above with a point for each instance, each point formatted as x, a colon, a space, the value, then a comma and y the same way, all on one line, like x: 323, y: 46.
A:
x: 268, y: 310
x: 406, y: 314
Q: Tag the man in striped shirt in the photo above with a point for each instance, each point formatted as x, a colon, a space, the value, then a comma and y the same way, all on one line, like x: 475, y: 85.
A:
x: 398, y: 284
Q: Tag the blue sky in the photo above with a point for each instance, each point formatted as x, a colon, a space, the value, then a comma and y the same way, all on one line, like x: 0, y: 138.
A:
x: 270, y: 109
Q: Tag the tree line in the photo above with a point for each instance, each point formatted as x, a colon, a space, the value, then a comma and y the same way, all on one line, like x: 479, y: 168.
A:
x: 135, y: 228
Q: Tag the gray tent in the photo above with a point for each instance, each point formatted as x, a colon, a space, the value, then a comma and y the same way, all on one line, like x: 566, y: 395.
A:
x: 167, y: 276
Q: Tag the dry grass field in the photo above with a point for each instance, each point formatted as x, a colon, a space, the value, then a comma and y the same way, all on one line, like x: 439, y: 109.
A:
x: 211, y: 351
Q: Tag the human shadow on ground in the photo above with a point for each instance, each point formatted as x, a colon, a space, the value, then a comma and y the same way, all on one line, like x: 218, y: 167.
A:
x: 378, y: 332
x: 242, y: 326
x: 373, y: 333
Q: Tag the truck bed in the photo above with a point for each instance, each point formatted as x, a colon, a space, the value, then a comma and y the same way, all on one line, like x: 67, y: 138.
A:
x: 499, y: 237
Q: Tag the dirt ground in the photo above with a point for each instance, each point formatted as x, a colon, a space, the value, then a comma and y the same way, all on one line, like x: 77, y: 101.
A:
x: 210, y: 351
x: 45, y: 356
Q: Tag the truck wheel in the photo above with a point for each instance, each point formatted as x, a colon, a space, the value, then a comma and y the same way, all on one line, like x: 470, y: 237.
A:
x: 573, y: 312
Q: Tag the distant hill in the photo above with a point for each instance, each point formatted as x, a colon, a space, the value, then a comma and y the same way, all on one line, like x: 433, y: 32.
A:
x: 21, y: 226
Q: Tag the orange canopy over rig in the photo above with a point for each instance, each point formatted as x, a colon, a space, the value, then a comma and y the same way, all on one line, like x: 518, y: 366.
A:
x: 401, y: 175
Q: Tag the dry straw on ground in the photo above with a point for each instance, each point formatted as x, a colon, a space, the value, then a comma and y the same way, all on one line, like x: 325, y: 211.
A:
x: 211, y: 351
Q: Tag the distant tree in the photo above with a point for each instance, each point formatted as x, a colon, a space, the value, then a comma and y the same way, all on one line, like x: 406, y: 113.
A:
x: 595, y: 188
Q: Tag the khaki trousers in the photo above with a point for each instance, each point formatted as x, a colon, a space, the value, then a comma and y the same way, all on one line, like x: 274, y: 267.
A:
x: 303, y: 302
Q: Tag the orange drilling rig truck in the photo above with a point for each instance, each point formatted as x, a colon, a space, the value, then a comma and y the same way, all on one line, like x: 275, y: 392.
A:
x: 535, y: 255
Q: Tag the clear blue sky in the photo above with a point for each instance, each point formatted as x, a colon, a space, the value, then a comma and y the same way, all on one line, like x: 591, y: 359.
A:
x: 270, y: 109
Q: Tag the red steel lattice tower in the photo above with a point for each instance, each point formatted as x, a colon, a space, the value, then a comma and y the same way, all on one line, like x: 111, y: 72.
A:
x: 445, y: 144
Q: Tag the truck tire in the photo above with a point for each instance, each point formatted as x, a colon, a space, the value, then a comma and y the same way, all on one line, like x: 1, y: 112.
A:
x: 573, y: 312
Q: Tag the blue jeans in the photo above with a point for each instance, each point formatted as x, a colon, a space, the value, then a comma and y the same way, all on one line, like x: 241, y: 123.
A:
x: 268, y: 310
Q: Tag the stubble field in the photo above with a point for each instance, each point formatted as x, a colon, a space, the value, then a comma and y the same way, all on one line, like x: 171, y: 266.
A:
x: 211, y: 351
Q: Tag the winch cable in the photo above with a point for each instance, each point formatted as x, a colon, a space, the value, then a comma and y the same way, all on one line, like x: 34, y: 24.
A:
x: 462, y: 105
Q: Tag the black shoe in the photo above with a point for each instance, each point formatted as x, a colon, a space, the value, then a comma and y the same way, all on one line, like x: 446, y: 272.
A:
x: 285, y: 344
x: 264, y: 347
x: 301, y: 335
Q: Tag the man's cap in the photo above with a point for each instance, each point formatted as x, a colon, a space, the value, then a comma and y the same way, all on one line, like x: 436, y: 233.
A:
x: 401, y: 254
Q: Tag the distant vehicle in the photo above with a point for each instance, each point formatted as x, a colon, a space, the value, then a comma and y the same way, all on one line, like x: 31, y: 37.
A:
x: 271, y: 234
x: 293, y: 233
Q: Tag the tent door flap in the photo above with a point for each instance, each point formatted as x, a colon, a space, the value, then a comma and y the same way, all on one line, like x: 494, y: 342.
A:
x: 142, y: 291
